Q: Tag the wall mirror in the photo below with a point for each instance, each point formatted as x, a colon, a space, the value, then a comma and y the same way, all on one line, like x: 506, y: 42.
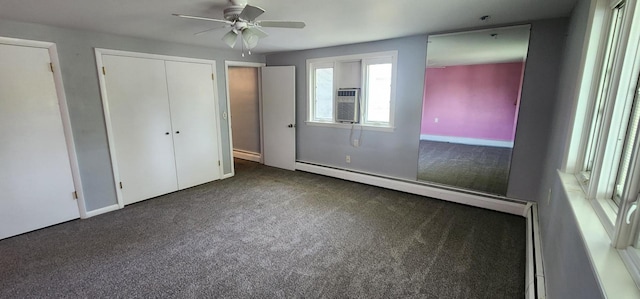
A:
x: 471, y: 99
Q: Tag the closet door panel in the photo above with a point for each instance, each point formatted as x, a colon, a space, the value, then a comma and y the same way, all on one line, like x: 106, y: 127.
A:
x: 141, y: 126
x: 193, y: 115
x: 35, y: 174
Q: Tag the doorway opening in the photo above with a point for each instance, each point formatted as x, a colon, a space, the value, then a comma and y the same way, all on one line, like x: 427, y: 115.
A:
x: 245, y: 110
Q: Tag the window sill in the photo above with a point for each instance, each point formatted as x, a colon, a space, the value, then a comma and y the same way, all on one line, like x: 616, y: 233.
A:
x: 613, y: 276
x: 350, y: 126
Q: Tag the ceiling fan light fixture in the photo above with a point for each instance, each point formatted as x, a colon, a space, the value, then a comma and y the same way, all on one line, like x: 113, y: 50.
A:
x: 251, y: 36
x: 230, y: 38
x: 250, y: 40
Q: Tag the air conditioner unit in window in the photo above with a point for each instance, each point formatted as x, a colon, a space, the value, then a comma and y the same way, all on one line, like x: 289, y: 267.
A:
x: 347, y: 105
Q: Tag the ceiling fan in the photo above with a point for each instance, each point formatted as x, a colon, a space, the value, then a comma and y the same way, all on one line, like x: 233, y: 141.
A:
x: 241, y: 18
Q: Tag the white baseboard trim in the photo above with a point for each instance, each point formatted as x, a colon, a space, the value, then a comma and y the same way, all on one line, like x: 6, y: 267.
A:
x: 227, y: 175
x: 529, y: 277
x: 541, y: 285
x: 245, y: 155
x: 516, y: 208
x: 465, y: 140
x: 102, y: 210
x: 535, y: 287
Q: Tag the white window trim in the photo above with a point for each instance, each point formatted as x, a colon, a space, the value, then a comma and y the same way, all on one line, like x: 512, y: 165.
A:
x: 600, y: 33
x: 364, y: 58
x: 312, y: 91
x: 597, y: 216
x: 592, y: 59
x: 393, y: 59
x: 611, y: 272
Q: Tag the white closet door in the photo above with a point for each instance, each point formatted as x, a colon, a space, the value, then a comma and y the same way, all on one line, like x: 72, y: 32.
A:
x: 35, y: 174
x: 193, y: 116
x: 140, y: 126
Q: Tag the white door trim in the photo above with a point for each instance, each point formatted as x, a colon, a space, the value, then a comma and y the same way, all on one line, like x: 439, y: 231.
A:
x: 105, y: 103
x: 227, y: 64
x: 64, y: 112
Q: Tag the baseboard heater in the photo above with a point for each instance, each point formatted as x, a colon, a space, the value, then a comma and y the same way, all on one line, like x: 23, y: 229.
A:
x: 535, y: 287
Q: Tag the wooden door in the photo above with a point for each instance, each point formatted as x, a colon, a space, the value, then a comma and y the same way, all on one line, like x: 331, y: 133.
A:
x: 35, y: 171
x: 140, y: 127
x: 194, y: 122
x: 279, y: 116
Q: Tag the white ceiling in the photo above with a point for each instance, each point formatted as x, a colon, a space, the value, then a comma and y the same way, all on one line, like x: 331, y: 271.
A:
x: 329, y: 22
x: 505, y: 44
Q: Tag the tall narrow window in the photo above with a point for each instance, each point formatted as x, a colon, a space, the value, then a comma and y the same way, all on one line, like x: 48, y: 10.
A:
x: 629, y: 141
x: 378, y: 92
x: 323, y: 105
x: 602, y: 96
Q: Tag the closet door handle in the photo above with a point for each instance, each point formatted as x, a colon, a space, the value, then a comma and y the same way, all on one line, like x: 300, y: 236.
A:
x: 177, y: 132
x: 166, y: 133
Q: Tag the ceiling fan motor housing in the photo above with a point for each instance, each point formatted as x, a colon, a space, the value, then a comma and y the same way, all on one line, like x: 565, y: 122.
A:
x: 232, y: 13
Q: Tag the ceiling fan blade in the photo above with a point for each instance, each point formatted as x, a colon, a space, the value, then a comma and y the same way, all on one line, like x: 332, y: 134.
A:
x: 230, y: 38
x: 209, y: 30
x: 202, y: 18
x: 250, y: 12
x: 281, y: 24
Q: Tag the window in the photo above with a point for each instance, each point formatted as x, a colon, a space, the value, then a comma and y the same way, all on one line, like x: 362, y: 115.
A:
x: 629, y: 142
x: 373, y: 73
x: 323, y: 92
x: 378, y: 92
x: 603, y: 92
x: 610, y: 149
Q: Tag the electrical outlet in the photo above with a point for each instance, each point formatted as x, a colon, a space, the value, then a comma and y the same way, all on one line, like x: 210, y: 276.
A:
x: 435, y: 120
x: 348, y: 159
x: 356, y: 142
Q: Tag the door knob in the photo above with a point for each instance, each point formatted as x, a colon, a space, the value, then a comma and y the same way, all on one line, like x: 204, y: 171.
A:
x: 166, y: 133
x: 177, y: 132
x: 291, y: 125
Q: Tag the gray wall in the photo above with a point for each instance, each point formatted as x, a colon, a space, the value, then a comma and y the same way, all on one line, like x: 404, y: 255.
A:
x: 395, y: 153
x: 539, y: 89
x: 244, y: 98
x: 568, y: 269
x: 388, y: 153
x: 78, y: 66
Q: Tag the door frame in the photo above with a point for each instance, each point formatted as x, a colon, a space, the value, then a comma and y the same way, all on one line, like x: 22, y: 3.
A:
x: 258, y: 65
x: 64, y: 112
x: 107, y: 116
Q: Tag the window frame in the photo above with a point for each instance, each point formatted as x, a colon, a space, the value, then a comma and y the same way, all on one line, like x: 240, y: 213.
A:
x: 624, y: 83
x: 592, y: 184
x: 366, y: 62
x: 364, y: 59
x: 312, y: 91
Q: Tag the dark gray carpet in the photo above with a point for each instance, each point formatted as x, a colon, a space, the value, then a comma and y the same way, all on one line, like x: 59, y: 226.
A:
x: 271, y: 233
x: 480, y: 168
